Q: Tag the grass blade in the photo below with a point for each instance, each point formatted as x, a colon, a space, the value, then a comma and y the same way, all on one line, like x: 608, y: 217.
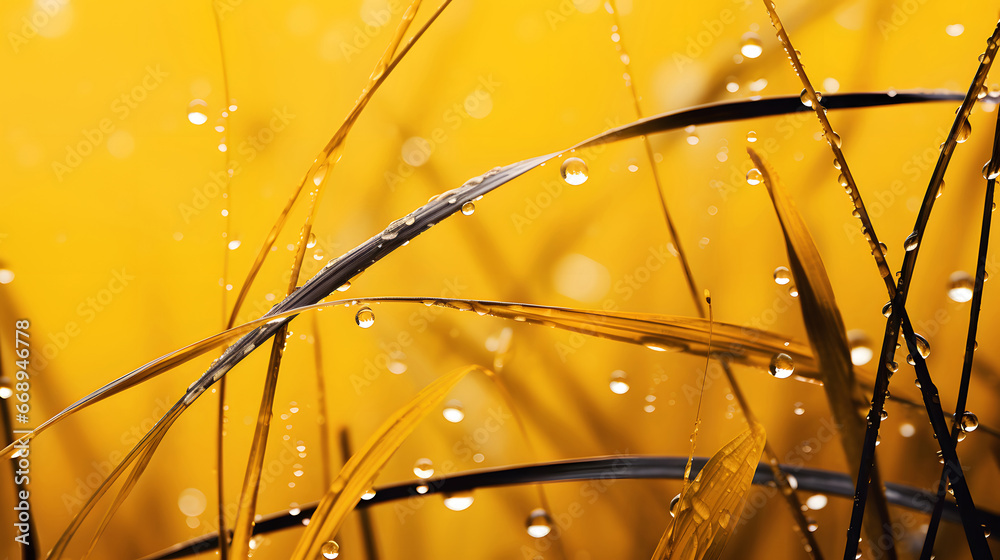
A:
x: 360, y: 472
x: 827, y: 334
x: 712, y: 504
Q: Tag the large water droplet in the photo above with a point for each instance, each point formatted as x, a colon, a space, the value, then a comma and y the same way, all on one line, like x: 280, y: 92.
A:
x: 782, y: 365
x: 365, y: 317
x: 751, y: 136
x: 453, y: 411
x: 782, y: 276
x: 673, y: 505
x: 887, y: 309
x: 574, y: 171
x: 619, y: 382
x: 320, y: 174
x: 969, y: 422
x: 423, y: 468
x: 817, y: 501
x: 6, y: 387
x: 458, y: 501
x: 754, y: 177
x: 330, y: 550
x: 539, y: 523
x: 960, y: 286
x: 468, y: 208
x: 911, y: 241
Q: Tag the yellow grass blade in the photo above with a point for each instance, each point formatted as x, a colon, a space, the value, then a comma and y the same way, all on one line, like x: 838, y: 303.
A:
x: 827, y: 336
x: 710, y: 506
x: 360, y: 472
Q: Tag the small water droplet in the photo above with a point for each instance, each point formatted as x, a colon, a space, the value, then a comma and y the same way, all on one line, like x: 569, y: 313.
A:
x: 365, y: 317
x: 754, y: 177
x: 861, y: 350
x: 751, y: 137
x: 619, y: 382
x: 312, y: 241
x: 751, y: 46
x: 539, y: 523
x: 782, y: 365
x: 923, y: 346
x: 458, y: 501
x: 793, y: 291
x: 468, y: 208
x: 423, y: 468
x: 887, y: 309
x: 799, y: 409
x: 197, y: 112
x: 964, y: 132
x: 330, y: 550
x: 673, y: 505
x: 574, y: 171
x: 453, y: 411
x: 911, y: 241
x: 960, y: 286
x: 969, y: 422
x: 782, y: 276
x: 320, y: 174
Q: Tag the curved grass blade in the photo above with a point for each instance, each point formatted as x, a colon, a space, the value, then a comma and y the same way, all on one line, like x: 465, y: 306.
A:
x: 360, y: 472
x: 711, y: 506
x: 621, y: 467
x: 990, y: 169
x: 827, y: 335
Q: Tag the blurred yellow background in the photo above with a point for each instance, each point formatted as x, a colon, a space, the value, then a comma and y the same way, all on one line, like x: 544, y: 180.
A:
x: 111, y: 228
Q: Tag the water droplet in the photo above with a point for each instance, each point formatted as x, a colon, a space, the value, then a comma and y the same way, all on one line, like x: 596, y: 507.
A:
x: 887, y: 309
x: 806, y: 98
x: 751, y: 47
x: 574, y: 171
x: 693, y: 139
x: 969, y: 422
x: 751, y: 137
x: 816, y: 501
x: 365, y: 317
x: 369, y: 494
x: 423, y: 468
x: 754, y: 177
x: 619, y: 382
x: 964, y: 132
x: 782, y: 365
x: 835, y: 140
x: 893, y: 367
x: 793, y: 291
x: 198, y: 112
x: 799, y: 409
x: 6, y: 387
x: 960, y: 286
x: 911, y: 241
x: 861, y: 351
x: 468, y: 208
x: 991, y: 170
x: 458, y: 501
x: 923, y: 346
x: 539, y: 523
x: 673, y: 505
x: 320, y: 174
x: 782, y: 276
x: 312, y: 241
x: 330, y: 550
x: 453, y: 412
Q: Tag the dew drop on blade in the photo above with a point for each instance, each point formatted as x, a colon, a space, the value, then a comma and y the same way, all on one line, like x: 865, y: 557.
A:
x: 458, y: 501
x: 969, y: 422
x: 619, y: 382
x: 754, y: 177
x: 574, y: 171
x: 468, y: 208
x: 330, y: 550
x: 960, y: 286
x: 365, y: 317
x: 781, y: 366
x: 751, y: 46
x: 782, y: 276
x: 453, y: 411
x: 539, y: 523
x: 423, y: 468
x: 197, y: 112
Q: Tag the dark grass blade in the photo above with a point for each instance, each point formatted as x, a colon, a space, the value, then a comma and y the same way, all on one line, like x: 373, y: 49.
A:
x: 973, y: 531
x: 970, y: 342
x: 340, y: 270
x: 622, y: 467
